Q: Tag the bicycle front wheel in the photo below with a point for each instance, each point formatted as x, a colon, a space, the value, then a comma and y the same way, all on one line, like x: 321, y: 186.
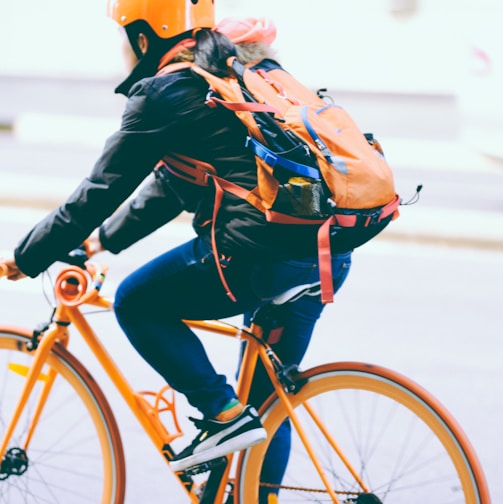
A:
x: 75, y: 452
x: 402, y: 445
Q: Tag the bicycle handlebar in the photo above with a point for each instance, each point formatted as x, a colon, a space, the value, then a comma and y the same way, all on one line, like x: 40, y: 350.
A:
x: 78, y: 283
x: 77, y: 257
x: 72, y: 286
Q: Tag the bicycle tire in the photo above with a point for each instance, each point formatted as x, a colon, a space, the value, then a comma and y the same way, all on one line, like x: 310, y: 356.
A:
x: 75, y: 454
x: 406, y: 447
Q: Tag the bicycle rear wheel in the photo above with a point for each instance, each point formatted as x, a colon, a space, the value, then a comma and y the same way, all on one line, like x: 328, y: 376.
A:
x: 402, y: 443
x: 75, y: 455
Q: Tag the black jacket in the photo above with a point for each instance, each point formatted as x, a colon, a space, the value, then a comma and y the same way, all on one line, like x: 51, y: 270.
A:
x: 163, y: 113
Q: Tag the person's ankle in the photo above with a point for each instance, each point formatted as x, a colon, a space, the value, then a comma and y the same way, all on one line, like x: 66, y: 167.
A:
x: 231, y: 410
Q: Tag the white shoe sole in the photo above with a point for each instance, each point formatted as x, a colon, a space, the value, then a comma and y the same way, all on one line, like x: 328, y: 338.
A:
x: 232, y: 445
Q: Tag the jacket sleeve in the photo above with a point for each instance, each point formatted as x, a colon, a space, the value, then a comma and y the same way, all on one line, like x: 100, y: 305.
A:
x: 154, y: 205
x: 128, y: 157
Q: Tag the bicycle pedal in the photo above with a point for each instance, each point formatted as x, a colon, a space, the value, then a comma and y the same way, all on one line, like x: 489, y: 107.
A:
x: 206, y: 466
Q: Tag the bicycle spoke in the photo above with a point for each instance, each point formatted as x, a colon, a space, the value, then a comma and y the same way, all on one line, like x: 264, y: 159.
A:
x: 396, y: 441
x: 71, y: 457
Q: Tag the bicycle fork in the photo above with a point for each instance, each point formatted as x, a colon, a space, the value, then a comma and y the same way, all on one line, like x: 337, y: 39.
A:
x: 14, y: 460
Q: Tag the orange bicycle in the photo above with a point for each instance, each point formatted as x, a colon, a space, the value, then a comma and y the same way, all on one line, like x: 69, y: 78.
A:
x: 360, y: 433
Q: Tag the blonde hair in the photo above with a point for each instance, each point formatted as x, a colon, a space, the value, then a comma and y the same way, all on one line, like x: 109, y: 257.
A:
x: 253, y: 51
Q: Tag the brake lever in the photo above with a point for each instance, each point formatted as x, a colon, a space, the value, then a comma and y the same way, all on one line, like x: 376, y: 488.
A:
x: 77, y: 257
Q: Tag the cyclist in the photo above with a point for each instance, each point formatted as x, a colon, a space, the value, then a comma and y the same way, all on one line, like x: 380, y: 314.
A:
x: 166, y: 113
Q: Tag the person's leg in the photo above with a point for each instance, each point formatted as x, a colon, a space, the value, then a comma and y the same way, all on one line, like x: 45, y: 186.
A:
x: 184, y: 284
x: 298, y: 320
x: 150, y: 305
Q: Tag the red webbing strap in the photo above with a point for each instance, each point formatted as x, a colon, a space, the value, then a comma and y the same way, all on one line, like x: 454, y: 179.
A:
x: 219, y: 192
x: 277, y: 86
x: 242, y: 106
x: 324, y: 252
x: 280, y: 218
x: 229, y: 89
x: 390, y: 208
x: 341, y: 220
x: 190, y: 169
x: 173, y: 67
x: 232, y: 188
x: 325, y: 261
x: 241, y: 192
x: 324, y: 249
x: 222, y: 185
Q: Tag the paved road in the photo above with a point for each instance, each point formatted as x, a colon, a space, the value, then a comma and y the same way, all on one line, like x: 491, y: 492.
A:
x: 430, y: 312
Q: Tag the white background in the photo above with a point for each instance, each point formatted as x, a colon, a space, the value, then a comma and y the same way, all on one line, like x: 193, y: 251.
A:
x: 359, y: 45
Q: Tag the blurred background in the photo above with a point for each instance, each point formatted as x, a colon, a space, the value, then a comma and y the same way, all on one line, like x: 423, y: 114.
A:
x: 425, y: 76
x: 448, y: 49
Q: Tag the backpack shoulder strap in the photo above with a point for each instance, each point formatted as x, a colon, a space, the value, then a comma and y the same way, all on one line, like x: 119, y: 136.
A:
x: 233, y: 99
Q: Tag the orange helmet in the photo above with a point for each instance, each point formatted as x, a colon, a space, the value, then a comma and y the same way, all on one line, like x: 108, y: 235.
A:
x: 167, y: 18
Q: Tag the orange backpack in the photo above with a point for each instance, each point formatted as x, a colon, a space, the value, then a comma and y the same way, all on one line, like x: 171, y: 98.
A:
x: 314, y: 165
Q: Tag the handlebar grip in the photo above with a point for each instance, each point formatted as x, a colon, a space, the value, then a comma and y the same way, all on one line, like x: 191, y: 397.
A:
x: 3, y: 270
x: 77, y: 257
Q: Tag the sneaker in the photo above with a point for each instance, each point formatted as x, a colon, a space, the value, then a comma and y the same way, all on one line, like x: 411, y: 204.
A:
x: 218, y: 439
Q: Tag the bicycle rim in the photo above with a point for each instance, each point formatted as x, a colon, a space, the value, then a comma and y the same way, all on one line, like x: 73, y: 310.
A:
x: 402, y: 443
x: 75, y: 455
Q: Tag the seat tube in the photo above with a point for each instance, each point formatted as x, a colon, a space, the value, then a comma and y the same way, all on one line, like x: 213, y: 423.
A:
x: 297, y: 424
x: 247, y: 366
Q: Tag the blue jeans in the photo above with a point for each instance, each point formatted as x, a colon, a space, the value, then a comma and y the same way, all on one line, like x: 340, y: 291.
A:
x: 298, y: 319
x: 184, y: 284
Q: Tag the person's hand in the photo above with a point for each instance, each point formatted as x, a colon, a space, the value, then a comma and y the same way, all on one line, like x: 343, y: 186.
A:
x: 93, y: 244
x: 9, y: 269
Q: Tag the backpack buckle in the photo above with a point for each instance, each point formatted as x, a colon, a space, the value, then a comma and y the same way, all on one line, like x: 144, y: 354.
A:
x: 210, y: 100
x: 371, y: 218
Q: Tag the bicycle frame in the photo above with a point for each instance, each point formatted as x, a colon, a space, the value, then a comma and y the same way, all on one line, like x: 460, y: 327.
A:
x: 72, y: 291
